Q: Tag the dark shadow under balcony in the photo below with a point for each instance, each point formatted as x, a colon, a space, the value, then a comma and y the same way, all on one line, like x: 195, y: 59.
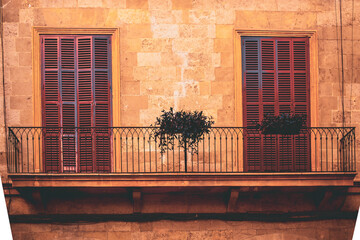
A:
x: 226, y: 156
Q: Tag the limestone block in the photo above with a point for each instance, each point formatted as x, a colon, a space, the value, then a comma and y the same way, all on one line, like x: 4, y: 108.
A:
x: 222, y: 88
x: 326, y: 18
x: 11, y: 29
x: 159, y: 88
x: 126, y: 73
x: 9, y: 45
x: 95, y: 235
x: 23, y: 44
x: 328, y: 46
x: 166, y: 16
x: 20, y: 74
x: 326, y: 89
x: 139, y: 31
x: 198, y: 31
x: 119, y: 235
x: 71, y: 3
x: 224, y: 74
x: 51, y: 4
x: 329, y: 60
x: 224, y: 31
x: 201, y: 103
x: 128, y: 59
x: 134, y: 102
x: 149, y: 59
x: 201, y: 17
x: 24, y: 30
x: 327, y: 32
x: 114, y: 3
x: 147, y: 117
x: 329, y: 102
x: 44, y: 227
x: 145, y: 73
x: 131, y: 45
x: 118, y: 226
x: 20, y: 102
x: 182, y: 4
x: 284, y: 5
x: 199, y: 59
x: 160, y: 102
x: 12, y: 59
x: 160, y: 4
x: 171, y: 59
x: 223, y: 45
x: 337, y: 117
x: 11, y: 15
x: 26, y: 117
x: 224, y: 16
x: 130, y: 88
x: 227, y: 59
x: 267, y: 5
x: 130, y: 118
x: 26, y: 15
x: 195, y: 73
x: 204, y: 88
x: 137, y: 16
x: 192, y: 45
x: 89, y: 3
x: 165, y: 30
x: 137, y: 4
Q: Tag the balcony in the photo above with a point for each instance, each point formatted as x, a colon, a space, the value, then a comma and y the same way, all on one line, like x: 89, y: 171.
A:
x: 131, y: 157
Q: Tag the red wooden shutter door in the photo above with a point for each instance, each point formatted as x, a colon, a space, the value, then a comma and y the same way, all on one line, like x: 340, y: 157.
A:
x: 275, y: 73
x: 76, y: 73
x: 102, y: 104
x: 251, y: 86
x: 51, y: 105
x: 85, y: 103
x: 68, y: 102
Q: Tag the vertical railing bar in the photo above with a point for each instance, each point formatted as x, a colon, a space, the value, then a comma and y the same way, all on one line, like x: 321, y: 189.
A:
x: 232, y: 153
x: 156, y: 159
x: 326, y: 153
x: 132, y: 152
x: 126, y: 152
x: 332, y: 151
x: 215, y: 151
x: 150, y: 152
x: 144, y: 151
x: 203, y: 159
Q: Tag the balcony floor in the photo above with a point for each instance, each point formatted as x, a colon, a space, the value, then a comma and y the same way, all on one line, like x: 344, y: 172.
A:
x: 297, y: 179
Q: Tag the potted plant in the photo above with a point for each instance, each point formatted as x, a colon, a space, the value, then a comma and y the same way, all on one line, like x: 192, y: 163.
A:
x: 187, y: 127
x: 286, y: 124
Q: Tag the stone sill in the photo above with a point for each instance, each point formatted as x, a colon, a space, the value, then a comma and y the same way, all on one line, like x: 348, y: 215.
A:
x: 184, y: 180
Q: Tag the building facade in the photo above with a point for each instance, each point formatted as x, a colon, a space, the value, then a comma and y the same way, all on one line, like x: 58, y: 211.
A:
x: 84, y: 80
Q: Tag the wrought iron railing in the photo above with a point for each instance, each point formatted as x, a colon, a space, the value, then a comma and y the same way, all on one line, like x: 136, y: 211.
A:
x: 135, y: 150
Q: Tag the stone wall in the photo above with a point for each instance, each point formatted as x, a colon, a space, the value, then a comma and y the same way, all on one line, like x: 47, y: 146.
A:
x: 180, y: 52
x: 191, y: 230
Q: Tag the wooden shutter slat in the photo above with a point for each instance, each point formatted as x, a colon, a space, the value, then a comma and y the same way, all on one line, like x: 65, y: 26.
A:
x: 84, y: 53
x: 85, y: 86
x: 50, y: 52
x: 68, y: 53
x: 101, y: 53
x: 68, y: 86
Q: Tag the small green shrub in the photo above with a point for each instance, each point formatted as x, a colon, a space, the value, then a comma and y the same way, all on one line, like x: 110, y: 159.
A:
x: 187, y: 127
x: 286, y: 124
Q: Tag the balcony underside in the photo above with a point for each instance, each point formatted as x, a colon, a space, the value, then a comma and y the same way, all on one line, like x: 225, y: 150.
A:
x: 184, y: 180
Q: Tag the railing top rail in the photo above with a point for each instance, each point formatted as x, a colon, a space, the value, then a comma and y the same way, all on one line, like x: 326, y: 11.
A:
x: 350, y: 128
